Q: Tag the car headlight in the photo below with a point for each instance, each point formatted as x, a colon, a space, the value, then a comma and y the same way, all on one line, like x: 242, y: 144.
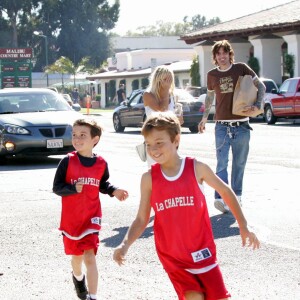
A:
x: 14, y: 129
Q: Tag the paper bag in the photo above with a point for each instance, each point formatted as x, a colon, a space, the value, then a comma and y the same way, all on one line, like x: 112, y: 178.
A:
x: 245, y: 94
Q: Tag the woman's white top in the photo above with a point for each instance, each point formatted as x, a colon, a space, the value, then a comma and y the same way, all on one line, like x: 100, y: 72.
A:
x: 171, y: 107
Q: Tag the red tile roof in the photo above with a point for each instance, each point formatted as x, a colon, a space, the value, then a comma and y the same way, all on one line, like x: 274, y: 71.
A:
x: 279, y: 19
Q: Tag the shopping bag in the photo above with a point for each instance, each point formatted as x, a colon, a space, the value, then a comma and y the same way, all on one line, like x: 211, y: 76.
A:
x: 141, y: 150
x: 245, y: 94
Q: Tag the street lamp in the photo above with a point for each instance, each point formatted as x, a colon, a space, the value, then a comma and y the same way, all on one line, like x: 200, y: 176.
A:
x: 38, y: 33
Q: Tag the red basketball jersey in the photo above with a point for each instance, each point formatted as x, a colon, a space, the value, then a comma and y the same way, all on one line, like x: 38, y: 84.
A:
x: 82, y: 211
x: 182, y: 228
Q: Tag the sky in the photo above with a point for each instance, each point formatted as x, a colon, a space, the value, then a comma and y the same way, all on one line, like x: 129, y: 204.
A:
x: 137, y: 13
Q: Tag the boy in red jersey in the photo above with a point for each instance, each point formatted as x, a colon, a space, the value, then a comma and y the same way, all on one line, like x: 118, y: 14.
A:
x: 78, y: 179
x: 182, y: 230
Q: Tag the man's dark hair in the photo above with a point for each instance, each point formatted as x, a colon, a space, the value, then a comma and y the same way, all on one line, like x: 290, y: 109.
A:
x: 226, y: 47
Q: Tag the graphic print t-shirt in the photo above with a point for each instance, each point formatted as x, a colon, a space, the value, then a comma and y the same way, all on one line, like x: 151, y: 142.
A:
x: 223, y: 82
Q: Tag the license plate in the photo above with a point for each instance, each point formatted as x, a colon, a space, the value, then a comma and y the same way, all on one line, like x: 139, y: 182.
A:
x: 55, y: 143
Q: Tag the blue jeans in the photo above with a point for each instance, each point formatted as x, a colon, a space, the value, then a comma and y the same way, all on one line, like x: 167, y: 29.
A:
x: 238, y: 139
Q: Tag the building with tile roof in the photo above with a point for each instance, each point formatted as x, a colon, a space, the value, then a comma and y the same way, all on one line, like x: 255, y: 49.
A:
x: 266, y: 35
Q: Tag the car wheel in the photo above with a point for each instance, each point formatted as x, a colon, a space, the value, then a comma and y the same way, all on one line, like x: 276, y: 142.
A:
x: 269, y: 116
x: 117, y: 123
x: 193, y: 129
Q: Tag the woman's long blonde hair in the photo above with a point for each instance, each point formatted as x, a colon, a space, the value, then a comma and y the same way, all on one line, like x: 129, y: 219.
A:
x: 156, y: 79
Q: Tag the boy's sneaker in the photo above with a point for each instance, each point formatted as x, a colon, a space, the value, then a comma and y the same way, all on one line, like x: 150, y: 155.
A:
x: 221, y: 206
x: 239, y: 200
x: 80, y: 288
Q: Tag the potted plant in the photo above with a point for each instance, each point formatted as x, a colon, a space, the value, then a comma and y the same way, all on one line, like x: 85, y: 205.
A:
x: 96, y: 102
x: 289, y: 60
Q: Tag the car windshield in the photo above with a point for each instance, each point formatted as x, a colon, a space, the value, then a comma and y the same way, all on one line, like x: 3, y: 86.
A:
x: 269, y: 86
x: 31, y: 102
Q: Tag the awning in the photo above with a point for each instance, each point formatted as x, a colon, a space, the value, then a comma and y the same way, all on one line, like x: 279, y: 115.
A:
x: 77, y: 83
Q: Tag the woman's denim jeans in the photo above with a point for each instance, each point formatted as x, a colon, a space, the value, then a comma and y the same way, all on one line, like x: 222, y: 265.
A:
x: 238, y: 139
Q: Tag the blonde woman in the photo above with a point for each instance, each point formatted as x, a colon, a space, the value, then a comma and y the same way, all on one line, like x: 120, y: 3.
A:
x: 159, y: 96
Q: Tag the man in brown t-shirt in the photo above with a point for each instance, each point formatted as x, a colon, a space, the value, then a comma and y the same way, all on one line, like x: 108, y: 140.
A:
x: 231, y: 131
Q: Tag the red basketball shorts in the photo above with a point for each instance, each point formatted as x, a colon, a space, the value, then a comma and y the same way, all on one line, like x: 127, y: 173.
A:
x: 77, y: 247
x: 210, y: 283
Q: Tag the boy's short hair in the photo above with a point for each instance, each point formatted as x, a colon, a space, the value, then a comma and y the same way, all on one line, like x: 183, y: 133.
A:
x: 96, y: 129
x: 167, y: 121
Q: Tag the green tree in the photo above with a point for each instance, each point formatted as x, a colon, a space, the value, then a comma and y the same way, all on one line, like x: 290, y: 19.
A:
x: 289, y: 61
x: 5, y: 34
x: 65, y: 66
x: 194, y: 72
x: 162, y: 28
x: 254, y: 64
x: 82, y: 27
x: 16, y: 11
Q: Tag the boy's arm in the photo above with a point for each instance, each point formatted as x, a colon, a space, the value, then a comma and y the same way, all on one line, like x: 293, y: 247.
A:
x: 105, y: 186
x: 60, y: 187
x: 139, y: 224
x: 205, y: 173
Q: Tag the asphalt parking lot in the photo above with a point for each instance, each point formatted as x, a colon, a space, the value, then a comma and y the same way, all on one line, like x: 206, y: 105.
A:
x: 32, y: 262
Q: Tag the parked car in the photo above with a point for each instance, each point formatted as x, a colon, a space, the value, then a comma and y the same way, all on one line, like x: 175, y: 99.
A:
x: 195, y: 91
x: 213, y: 107
x: 35, y: 122
x: 284, y: 102
x: 271, y: 88
x: 75, y: 106
x: 131, y: 112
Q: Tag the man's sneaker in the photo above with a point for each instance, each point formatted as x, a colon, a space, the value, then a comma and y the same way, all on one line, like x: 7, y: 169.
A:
x: 80, y: 288
x: 239, y: 200
x: 221, y: 206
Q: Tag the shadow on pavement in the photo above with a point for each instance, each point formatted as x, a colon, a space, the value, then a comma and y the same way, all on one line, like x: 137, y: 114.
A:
x: 222, y: 226
x: 28, y: 163
x: 115, y: 240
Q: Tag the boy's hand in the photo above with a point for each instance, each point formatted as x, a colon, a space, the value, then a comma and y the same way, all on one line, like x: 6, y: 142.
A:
x: 120, y: 194
x: 119, y: 255
x: 249, y: 239
x: 79, y: 186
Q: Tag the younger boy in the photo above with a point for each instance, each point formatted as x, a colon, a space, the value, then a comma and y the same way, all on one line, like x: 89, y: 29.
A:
x: 78, y: 179
x: 182, y: 230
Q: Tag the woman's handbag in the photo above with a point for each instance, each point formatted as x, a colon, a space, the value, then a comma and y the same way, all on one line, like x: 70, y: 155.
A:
x: 245, y: 94
x: 141, y: 150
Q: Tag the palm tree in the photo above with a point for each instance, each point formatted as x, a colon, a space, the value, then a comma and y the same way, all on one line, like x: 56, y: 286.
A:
x: 56, y: 67
x: 65, y: 66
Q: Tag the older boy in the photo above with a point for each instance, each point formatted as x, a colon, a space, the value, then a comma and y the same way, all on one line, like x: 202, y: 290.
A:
x: 183, y: 234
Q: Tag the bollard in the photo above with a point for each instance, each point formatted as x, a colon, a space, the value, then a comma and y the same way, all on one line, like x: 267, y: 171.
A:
x: 88, y: 104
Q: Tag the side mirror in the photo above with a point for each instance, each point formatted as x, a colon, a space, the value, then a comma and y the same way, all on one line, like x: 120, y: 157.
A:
x: 124, y: 103
x: 274, y: 91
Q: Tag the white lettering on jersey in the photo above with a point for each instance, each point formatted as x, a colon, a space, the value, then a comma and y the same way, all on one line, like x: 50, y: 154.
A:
x: 175, y: 202
x: 87, y: 181
x: 179, y: 201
